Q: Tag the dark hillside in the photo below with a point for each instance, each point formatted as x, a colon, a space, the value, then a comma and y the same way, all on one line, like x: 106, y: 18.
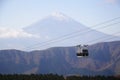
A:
x: 103, y: 59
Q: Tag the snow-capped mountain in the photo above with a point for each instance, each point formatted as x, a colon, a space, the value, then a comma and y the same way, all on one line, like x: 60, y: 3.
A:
x: 56, y: 24
x: 56, y: 29
x: 66, y: 30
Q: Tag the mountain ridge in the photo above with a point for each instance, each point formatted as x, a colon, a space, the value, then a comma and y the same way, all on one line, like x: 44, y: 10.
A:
x: 103, y: 59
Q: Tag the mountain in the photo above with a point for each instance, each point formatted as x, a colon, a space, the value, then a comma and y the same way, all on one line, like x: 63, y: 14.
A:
x: 67, y: 31
x: 56, y: 29
x: 103, y: 59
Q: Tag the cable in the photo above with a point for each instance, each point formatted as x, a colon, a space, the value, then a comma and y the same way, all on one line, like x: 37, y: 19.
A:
x: 68, y: 37
x: 106, y: 21
x: 103, y: 37
x: 74, y: 34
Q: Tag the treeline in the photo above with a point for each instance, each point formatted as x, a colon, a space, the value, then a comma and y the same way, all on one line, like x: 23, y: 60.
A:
x: 31, y: 77
x: 52, y: 77
x: 92, y: 78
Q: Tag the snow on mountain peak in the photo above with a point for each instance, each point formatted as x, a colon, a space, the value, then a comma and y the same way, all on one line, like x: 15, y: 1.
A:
x: 60, y: 16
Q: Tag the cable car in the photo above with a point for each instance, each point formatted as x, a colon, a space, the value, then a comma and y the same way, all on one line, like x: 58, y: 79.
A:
x: 82, y: 50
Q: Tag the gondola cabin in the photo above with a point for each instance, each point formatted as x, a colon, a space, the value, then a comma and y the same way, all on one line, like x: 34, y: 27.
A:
x: 82, y: 50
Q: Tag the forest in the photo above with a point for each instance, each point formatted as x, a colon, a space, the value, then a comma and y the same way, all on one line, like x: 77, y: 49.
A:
x: 53, y: 77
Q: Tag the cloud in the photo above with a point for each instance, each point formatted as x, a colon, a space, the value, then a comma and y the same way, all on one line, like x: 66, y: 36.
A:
x: 15, y: 33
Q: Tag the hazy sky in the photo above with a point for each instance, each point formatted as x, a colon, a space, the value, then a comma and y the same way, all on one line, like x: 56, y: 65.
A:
x: 22, y: 13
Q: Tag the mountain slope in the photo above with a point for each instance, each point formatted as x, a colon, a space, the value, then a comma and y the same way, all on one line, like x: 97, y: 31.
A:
x: 103, y: 59
x: 57, y: 25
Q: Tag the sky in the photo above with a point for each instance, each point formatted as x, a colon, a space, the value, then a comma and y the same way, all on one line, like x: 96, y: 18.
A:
x: 18, y: 14
x: 22, y: 13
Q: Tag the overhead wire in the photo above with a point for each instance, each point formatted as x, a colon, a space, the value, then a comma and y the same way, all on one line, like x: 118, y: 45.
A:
x: 73, y: 37
x: 75, y: 33
x: 69, y: 36
x: 105, y: 38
